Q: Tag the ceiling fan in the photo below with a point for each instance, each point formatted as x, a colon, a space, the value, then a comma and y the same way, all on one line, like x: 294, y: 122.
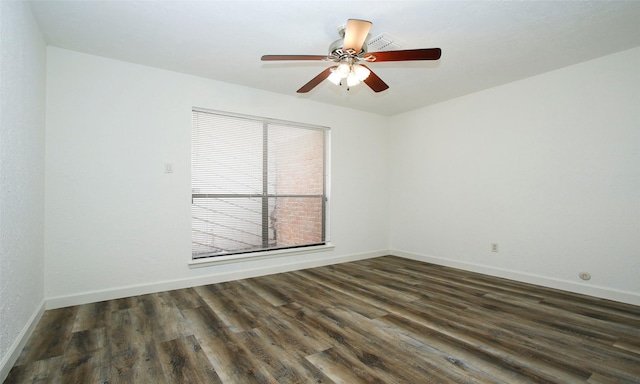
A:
x: 348, y: 53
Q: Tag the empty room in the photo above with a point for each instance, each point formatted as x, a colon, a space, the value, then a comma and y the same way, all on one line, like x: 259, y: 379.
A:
x: 319, y: 191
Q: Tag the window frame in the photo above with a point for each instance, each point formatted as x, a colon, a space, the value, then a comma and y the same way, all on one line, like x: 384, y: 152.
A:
x: 281, y: 251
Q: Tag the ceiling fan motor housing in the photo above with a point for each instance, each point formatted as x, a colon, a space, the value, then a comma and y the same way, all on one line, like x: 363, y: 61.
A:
x: 336, y: 49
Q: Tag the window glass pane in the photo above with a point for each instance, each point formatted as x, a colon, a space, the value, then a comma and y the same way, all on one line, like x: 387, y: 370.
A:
x: 257, y: 185
x: 296, y: 161
x: 297, y: 221
x: 222, y: 226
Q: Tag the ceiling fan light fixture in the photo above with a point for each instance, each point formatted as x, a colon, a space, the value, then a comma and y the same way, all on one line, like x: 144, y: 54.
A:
x: 343, y: 70
x: 335, y: 77
x: 361, y: 72
x: 352, y: 80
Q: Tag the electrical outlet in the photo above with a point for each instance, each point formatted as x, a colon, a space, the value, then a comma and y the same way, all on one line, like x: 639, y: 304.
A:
x: 494, y: 247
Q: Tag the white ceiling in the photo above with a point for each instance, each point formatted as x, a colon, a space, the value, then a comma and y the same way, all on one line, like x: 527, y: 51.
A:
x: 484, y: 43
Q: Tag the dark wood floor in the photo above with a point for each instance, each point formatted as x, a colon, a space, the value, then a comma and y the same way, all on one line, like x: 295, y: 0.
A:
x: 383, y: 320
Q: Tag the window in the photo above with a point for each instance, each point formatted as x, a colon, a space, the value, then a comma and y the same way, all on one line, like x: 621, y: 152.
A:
x: 257, y: 184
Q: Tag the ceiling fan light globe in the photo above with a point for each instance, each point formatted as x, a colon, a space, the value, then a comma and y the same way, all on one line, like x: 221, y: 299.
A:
x: 334, y: 77
x: 361, y: 72
x: 343, y: 70
x: 352, y: 80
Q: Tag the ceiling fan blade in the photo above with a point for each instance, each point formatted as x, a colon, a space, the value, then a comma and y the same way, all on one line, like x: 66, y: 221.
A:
x: 292, y: 57
x: 406, y: 55
x: 355, y: 34
x: 374, y: 82
x: 316, y: 80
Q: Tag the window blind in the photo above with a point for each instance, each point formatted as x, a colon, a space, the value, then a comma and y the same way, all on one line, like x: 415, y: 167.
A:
x: 257, y: 184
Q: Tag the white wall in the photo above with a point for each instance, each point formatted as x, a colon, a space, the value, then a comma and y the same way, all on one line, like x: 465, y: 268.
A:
x: 22, y: 118
x: 548, y: 167
x: 117, y: 225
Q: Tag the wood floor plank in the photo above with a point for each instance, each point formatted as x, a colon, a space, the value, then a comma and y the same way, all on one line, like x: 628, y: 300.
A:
x: 556, y: 338
x: 301, y: 337
x: 380, y: 320
x: 92, y: 315
x: 376, y: 348
x: 158, y: 318
x: 302, y: 287
x: 363, y: 346
x: 86, y: 358
x: 337, y: 284
x: 344, y: 369
x: 478, y: 331
x: 494, y: 353
x: 283, y: 366
x: 134, y: 359
x: 233, y: 363
x: 266, y: 291
x: 255, y: 307
x: 50, y: 337
x: 228, y: 307
x: 186, y: 298
x: 563, y: 321
x: 628, y: 346
x: 183, y: 361
x: 37, y: 372
x: 438, y: 351
x: 122, y: 303
x: 599, y: 313
x: 352, y: 282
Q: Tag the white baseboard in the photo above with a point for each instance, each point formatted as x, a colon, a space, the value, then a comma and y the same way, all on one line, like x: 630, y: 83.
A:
x: 116, y: 293
x: 10, y: 358
x: 597, y: 291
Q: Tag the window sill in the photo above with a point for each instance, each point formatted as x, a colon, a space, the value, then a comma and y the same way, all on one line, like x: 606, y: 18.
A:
x: 258, y: 255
